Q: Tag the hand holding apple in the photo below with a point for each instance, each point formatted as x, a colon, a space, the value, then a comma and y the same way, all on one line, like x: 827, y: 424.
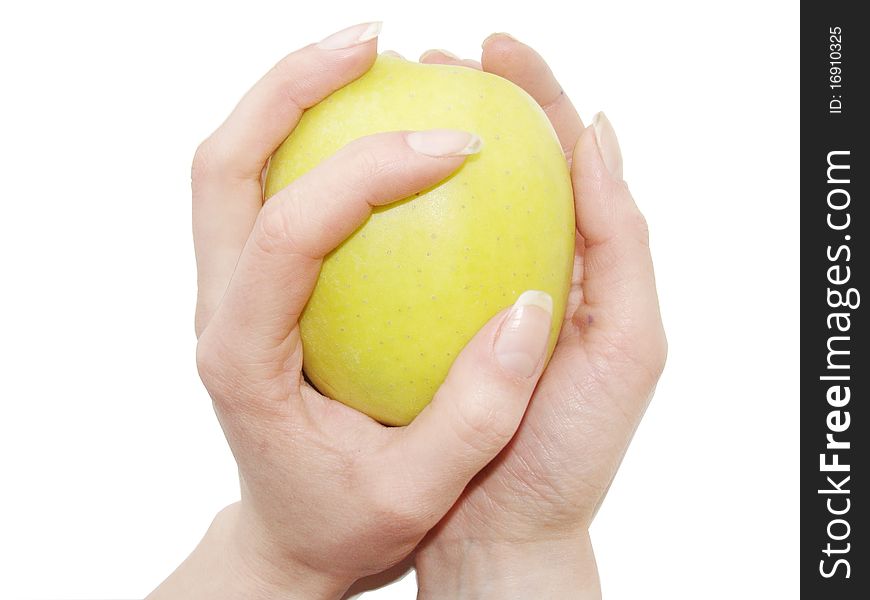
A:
x: 520, y: 530
x: 401, y: 296
x: 327, y: 494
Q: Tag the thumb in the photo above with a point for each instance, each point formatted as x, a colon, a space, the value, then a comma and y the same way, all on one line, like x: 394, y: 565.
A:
x: 478, y: 408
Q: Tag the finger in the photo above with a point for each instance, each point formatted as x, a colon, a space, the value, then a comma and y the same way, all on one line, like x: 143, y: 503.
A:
x: 271, y: 109
x: 227, y: 190
x: 513, y: 60
x: 619, y: 290
x: 443, y: 57
x: 478, y: 408
x: 302, y: 223
x: 392, y: 53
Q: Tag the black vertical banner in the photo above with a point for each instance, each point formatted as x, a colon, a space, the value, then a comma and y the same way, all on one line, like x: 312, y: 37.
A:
x: 835, y: 340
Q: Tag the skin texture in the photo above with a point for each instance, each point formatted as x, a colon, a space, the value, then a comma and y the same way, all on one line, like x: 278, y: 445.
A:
x: 397, y: 301
x: 505, y: 487
x: 543, y: 490
x: 327, y: 494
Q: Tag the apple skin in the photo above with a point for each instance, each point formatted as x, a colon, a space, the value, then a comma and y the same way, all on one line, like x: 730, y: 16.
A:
x: 398, y: 300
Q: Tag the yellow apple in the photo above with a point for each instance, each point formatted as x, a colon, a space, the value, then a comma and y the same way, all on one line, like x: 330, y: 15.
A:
x: 397, y: 301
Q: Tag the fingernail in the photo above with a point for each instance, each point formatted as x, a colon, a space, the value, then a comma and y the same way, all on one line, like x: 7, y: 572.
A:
x: 352, y: 36
x: 392, y: 53
x: 499, y: 34
x: 444, y: 142
x: 608, y: 145
x: 522, y: 339
x: 439, y: 51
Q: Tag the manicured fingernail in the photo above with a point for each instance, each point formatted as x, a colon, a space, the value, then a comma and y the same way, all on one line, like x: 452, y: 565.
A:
x: 492, y: 36
x: 522, y: 339
x: 438, y: 51
x: 392, y: 53
x: 352, y: 36
x: 608, y: 145
x: 444, y: 142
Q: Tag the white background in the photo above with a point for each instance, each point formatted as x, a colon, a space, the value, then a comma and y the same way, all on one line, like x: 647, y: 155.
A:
x: 112, y: 461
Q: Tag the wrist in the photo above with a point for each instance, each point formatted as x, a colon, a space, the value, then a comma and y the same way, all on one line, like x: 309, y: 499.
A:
x: 465, y: 569
x: 234, y: 561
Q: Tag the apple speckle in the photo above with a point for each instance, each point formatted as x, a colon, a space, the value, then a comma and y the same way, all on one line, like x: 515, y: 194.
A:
x: 371, y: 345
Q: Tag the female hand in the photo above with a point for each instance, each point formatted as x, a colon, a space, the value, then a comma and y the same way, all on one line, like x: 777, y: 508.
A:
x: 520, y: 530
x: 327, y: 494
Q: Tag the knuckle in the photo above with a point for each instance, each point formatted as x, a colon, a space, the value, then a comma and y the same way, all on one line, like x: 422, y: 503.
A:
x: 284, y: 66
x: 215, y: 159
x: 636, y: 351
x: 398, y: 512
x: 659, y: 355
x: 227, y: 378
x: 273, y: 227
x: 286, y: 228
x: 483, y: 426
x: 639, y: 226
x: 208, y: 360
x: 289, y: 65
x: 368, y: 170
x: 203, y: 162
x: 278, y: 226
x: 368, y: 162
x: 299, y: 76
